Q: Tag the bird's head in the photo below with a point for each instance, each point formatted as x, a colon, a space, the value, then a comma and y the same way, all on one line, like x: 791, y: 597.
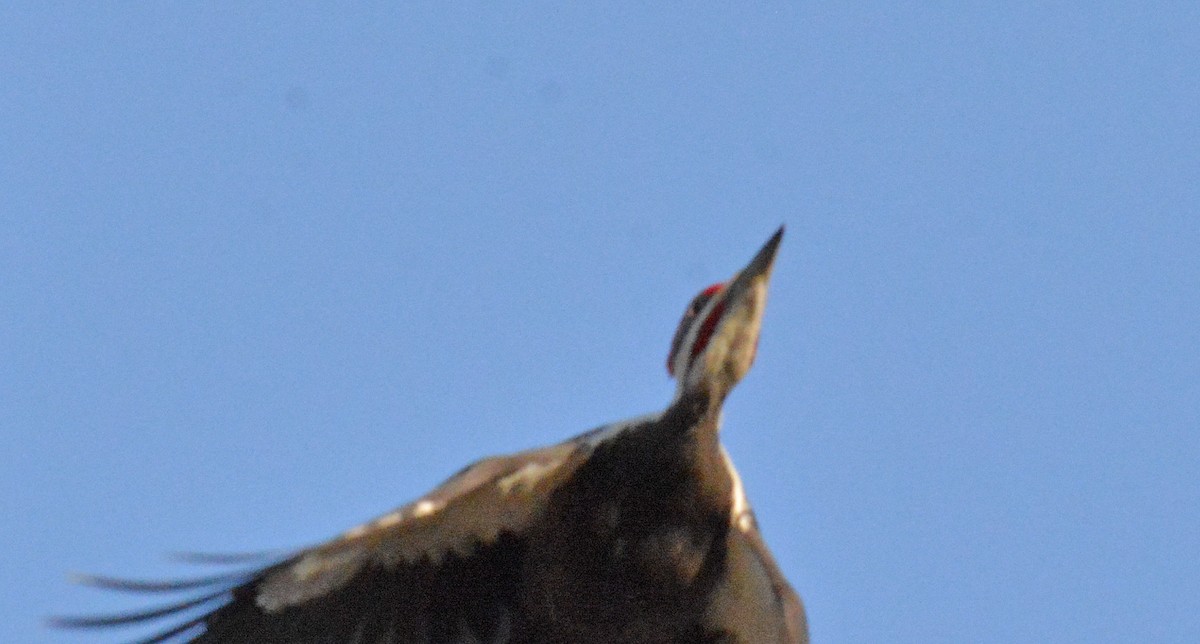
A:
x: 715, y: 343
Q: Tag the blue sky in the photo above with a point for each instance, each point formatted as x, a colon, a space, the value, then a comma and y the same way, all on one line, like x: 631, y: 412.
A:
x: 271, y: 270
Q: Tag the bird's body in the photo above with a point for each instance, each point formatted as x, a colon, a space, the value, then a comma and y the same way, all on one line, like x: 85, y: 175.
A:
x: 634, y: 532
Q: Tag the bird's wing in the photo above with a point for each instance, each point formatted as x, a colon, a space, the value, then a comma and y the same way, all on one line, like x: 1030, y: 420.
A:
x: 786, y: 600
x: 441, y: 569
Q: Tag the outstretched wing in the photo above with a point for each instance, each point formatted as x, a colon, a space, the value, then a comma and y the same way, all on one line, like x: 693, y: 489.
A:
x: 441, y: 569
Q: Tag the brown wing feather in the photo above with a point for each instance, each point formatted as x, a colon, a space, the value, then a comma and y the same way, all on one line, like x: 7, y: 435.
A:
x: 460, y: 598
x: 441, y: 569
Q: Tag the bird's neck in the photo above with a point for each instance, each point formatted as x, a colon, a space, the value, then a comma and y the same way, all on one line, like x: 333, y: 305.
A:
x: 697, y: 419
x: 641, y: 524
x: 675, y: 460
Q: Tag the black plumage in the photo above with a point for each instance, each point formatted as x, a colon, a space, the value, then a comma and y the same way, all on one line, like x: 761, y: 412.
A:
x: 634, y: 532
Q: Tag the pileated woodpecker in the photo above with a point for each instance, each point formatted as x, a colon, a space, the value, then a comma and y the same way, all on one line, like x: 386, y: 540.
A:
x: 638, y: 531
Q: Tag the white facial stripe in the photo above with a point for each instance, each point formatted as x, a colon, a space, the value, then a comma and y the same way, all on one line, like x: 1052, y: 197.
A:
x: 739, y: 507
x: 684, y: 355
x: 728, y: 355
x: 685, y: 377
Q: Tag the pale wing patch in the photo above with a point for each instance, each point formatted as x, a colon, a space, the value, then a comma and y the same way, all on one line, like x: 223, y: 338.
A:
x: 471, y: 508
x: 315, y: 574
x: 420, y: 509
x: 388, y: 520
x: 526, y: 477
x: 425, y: 508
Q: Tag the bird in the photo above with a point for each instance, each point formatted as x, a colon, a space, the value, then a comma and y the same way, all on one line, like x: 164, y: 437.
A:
x: 636, y: 531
